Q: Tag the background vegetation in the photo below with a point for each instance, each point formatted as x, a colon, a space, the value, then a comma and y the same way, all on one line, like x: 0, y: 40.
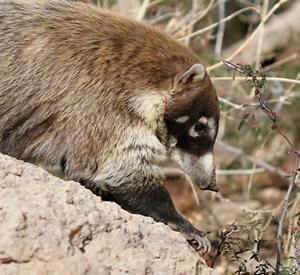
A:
x: 255, y: 218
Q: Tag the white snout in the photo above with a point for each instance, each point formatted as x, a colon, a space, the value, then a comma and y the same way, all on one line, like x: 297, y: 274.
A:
x: 207, y: 162
x: 201, y: 170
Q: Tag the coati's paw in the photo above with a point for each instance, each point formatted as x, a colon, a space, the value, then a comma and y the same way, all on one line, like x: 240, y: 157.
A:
x: 200, y: 243
x: 193, y: 236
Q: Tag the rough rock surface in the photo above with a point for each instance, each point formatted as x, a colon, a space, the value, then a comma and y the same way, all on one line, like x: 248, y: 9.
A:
x: 51, y: 226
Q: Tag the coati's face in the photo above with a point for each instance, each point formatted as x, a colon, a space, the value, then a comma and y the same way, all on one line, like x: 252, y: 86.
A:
x: 192, y: 121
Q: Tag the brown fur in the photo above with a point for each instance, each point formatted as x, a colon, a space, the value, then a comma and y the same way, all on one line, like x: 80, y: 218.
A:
x: 90, y: 93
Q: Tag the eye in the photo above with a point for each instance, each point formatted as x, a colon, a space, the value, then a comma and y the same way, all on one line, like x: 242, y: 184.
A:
x: 182, y: 119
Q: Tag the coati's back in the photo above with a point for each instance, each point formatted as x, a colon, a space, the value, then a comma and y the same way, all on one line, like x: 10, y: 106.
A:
x: 67, y: 66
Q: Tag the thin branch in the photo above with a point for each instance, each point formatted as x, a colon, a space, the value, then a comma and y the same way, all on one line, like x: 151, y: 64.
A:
x: 163, y: 17
x: 239, y: 206
x: 261, y: 34
x: 231, y: 104
x: 293, y: 84
x: 142, y: 10
x: 221, y: 29
x: 195, y: 8
x: 292, y: 183
x: 238, y: 152
x: 293, y: 223
x: 273, y: 79
x: 240, y: 172
x: 283, y: 61
x: 258, y: 81
x: 154, y: 3
x: 263, y: 230
x: 196, y: 196
x: 218, y: 23
x: 171, y: 173
x: 258, y: 87
x: 287, y: 95
x: 195, y: 20
x: 254, y: 33
x: 279, y: 30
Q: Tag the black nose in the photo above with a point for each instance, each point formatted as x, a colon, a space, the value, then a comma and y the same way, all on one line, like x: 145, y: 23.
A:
x: 211, y: 187
x: 214, y: 188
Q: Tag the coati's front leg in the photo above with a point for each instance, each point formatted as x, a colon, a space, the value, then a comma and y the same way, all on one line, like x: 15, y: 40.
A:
x: 131, y: 178
x: 155, y: 201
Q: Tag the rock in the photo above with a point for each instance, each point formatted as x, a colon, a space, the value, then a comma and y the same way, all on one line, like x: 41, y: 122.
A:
x: 52, y: 226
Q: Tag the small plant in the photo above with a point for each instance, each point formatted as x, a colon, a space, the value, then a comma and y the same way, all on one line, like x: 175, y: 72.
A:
x: 228, y: 241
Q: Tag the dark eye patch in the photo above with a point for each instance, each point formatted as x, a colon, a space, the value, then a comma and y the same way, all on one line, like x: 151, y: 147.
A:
x: 194, y: 145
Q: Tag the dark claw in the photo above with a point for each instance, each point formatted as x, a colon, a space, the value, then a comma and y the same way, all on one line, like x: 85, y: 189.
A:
x: 200, y: 243
x: 195, y: 237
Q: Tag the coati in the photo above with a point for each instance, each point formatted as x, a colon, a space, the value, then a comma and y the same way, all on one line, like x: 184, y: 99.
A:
x: 104, y: 99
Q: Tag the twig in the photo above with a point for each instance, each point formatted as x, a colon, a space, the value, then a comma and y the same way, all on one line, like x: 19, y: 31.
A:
x: 254, y: 33
x: 163, y: 17
x: 292, y: 225
x: 240, y: 172
x: 279, y: 30
x: 171, y: 173
x: 287, y: 95
x: 280, y: 62
x: 238, y: 152
x: 273, y: 79
x: 221, y: 29
x: 231, y: 104
x: 241, y: 106
x: 196, y: 196
x: 195, y: 8
x: 293, y: 84
x: 262, y: 231
x: 258, y: 81
x: 142, y: 10
x: 218, y: 23
x: 238, y: 206
x: 195, y: 20
x: 257, y: 87
x: 285, y: 210
x: 261, y: 34
x: 177, y: 173
x: 154, y: 3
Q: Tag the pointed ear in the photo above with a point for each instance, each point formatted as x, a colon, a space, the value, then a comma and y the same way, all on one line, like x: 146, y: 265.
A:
x: 195, y: 73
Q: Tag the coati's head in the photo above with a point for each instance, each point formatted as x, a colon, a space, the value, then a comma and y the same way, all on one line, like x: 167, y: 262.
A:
x: 192, y: 120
